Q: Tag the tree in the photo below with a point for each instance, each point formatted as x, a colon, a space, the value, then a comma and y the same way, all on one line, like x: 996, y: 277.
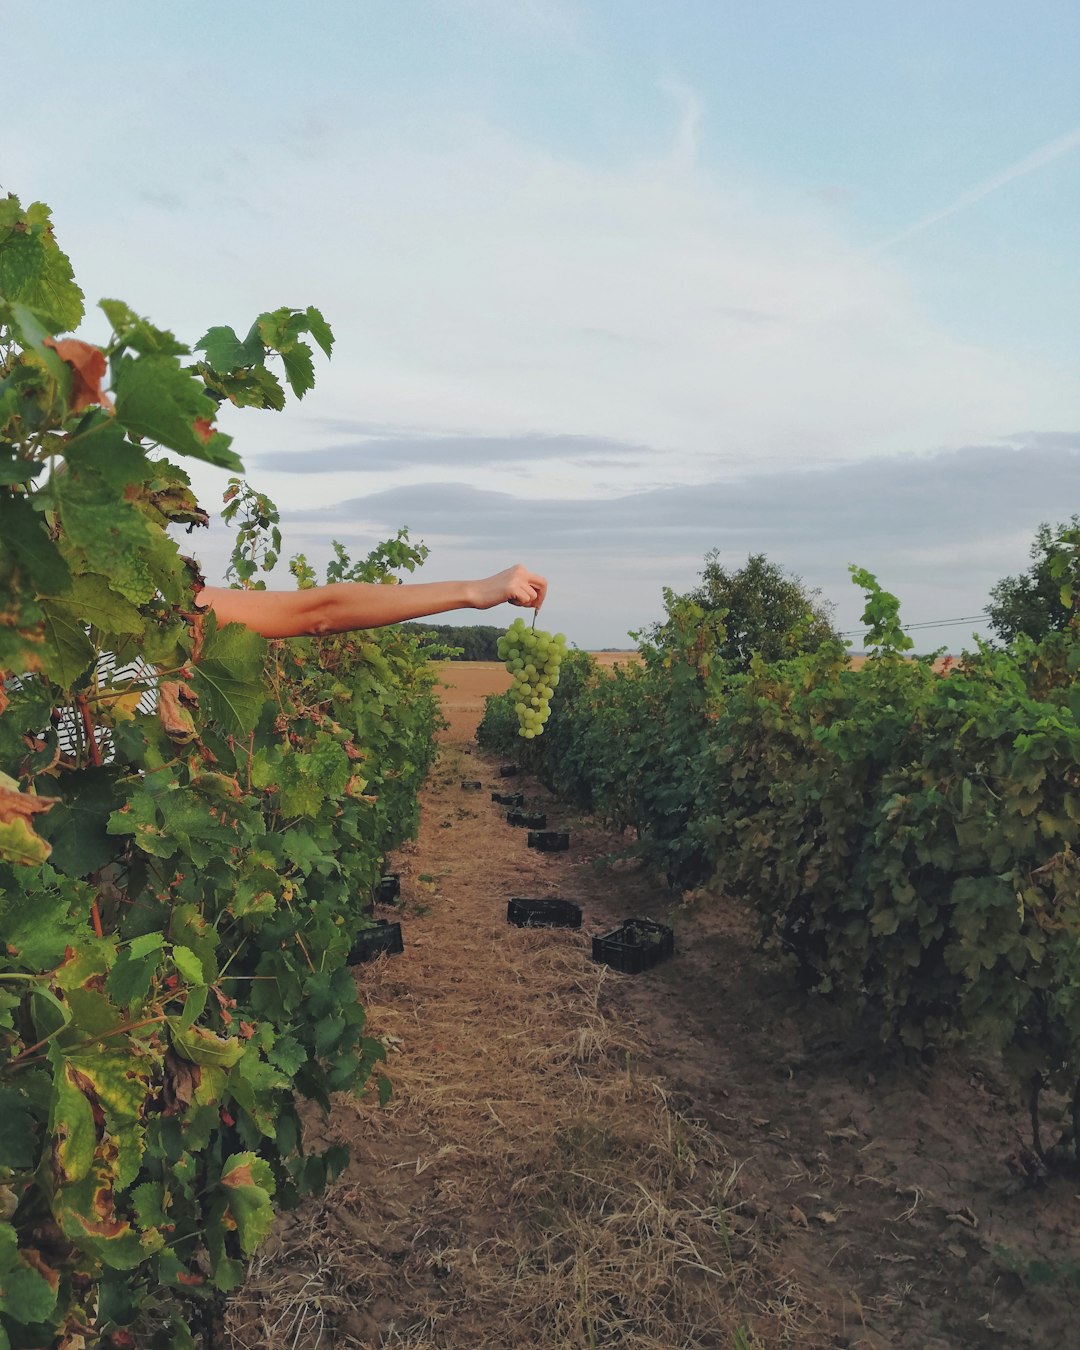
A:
x: 767, y: 610
x: 1031, y: 602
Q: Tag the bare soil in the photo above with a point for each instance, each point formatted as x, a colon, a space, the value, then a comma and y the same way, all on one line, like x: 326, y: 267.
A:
x: 691, y: 1157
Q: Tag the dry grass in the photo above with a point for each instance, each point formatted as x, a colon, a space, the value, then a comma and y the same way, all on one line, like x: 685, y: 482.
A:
x: 526, y: 1186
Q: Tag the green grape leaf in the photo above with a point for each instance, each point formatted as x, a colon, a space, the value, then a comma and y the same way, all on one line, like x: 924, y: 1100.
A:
x: 288, y: 1054
x: 28, y: 1292
x: 191, y: 929
x: 248, y: 1184
x: 194, y: 1005
x: 9, y: 1248
x: 113, y: 536
x: 138, y: 333
x: 160, y: 401
x: 14, y: 468
x: 71, y: 1122
x: 76, y: 824
x: 227, y: 1273
x: 68, y: 652
x: 19, y: 843
x: 228, y: 677
x: 201, y: 1046
x: 225, y: 352
x: 97, y: 604
x: 299, y: 368
x: 149, y: 1202
x: 33, y: 330
x: 87, y: 1213
x: 35, y: 271
x: 18, y: 1130
x: 24, y: 538
x: 130, y: 978
x: 38, y: 927
x: 119, y: 1078
x: 256, y: 387
x: 319, y: 329
x: 188, y: 965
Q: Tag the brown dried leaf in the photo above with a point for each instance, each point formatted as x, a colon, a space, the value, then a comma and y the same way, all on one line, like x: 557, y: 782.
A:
x: 16, y: 805
x: 90, y: 368
x: 180, y: 1081
x: 174, y: 700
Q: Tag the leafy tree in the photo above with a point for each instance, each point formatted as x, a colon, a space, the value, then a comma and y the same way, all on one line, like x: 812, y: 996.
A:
x: 765, y: 609
x: 1031, y: 603
x: 468, y: 642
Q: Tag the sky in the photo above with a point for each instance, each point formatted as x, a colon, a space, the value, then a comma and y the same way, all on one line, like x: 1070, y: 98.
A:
x: 614, y: 283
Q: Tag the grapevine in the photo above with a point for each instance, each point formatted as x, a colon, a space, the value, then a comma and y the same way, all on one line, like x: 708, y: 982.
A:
x: 906, y: 838
x: 190, y: 823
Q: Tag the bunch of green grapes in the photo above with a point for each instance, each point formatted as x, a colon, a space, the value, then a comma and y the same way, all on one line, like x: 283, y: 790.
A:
x: 533, y: 658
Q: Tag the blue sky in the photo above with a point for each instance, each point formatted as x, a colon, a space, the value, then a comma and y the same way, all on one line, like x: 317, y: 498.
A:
x: 598, y: 253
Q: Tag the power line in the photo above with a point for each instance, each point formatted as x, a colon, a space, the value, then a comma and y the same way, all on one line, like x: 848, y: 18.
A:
x: 929, y: 623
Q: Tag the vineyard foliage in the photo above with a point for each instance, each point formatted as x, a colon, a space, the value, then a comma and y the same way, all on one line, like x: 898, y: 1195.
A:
x: 905, y: 837
x: 191, y: 823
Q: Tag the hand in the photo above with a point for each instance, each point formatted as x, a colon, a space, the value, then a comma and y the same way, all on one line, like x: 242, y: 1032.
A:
x: 516, y: 586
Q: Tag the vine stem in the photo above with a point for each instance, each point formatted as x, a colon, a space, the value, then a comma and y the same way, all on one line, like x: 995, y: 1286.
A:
x: 121, y: 1030
x: 1034, y: 1091
x: 1076, y: 1119
x: 93, y: 752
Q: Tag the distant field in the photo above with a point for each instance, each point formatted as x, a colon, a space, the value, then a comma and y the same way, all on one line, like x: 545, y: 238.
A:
x: 466, y: 684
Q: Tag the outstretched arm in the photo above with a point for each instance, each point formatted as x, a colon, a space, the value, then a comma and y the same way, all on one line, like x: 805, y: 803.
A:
x: 357, y: 604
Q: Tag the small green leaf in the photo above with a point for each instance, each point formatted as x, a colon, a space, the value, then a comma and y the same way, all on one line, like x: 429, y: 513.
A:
x: 319, y: 329
x: 299, y: 368
x: 225, y: 352
x: 188, y: 965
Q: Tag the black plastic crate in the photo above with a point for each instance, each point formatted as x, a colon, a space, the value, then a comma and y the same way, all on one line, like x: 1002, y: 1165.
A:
x: 382, y: 938
x: 388, y: 888
x: 515, y: 799
x: 543, y: 913
x: 549, y: 841
x: 508, y: 770
x: 471, y: 784
x: 636, y: 945
x: 526, y: 821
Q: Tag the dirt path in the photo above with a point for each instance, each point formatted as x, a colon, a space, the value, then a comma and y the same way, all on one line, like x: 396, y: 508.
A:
x: 688, y: 1158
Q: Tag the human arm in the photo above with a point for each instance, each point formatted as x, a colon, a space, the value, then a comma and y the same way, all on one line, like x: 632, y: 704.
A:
x: 346, y: 605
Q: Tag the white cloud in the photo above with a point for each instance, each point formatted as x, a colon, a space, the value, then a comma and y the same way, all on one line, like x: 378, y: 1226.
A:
x: 938, y: 530
x: 481, y: 284
x: 488, y: 285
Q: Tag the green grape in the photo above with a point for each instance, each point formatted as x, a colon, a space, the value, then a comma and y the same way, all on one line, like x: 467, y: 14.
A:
x: 533, y: 658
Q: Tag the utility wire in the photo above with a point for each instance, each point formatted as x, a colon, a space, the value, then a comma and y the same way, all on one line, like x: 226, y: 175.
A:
x: 929, y: 623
